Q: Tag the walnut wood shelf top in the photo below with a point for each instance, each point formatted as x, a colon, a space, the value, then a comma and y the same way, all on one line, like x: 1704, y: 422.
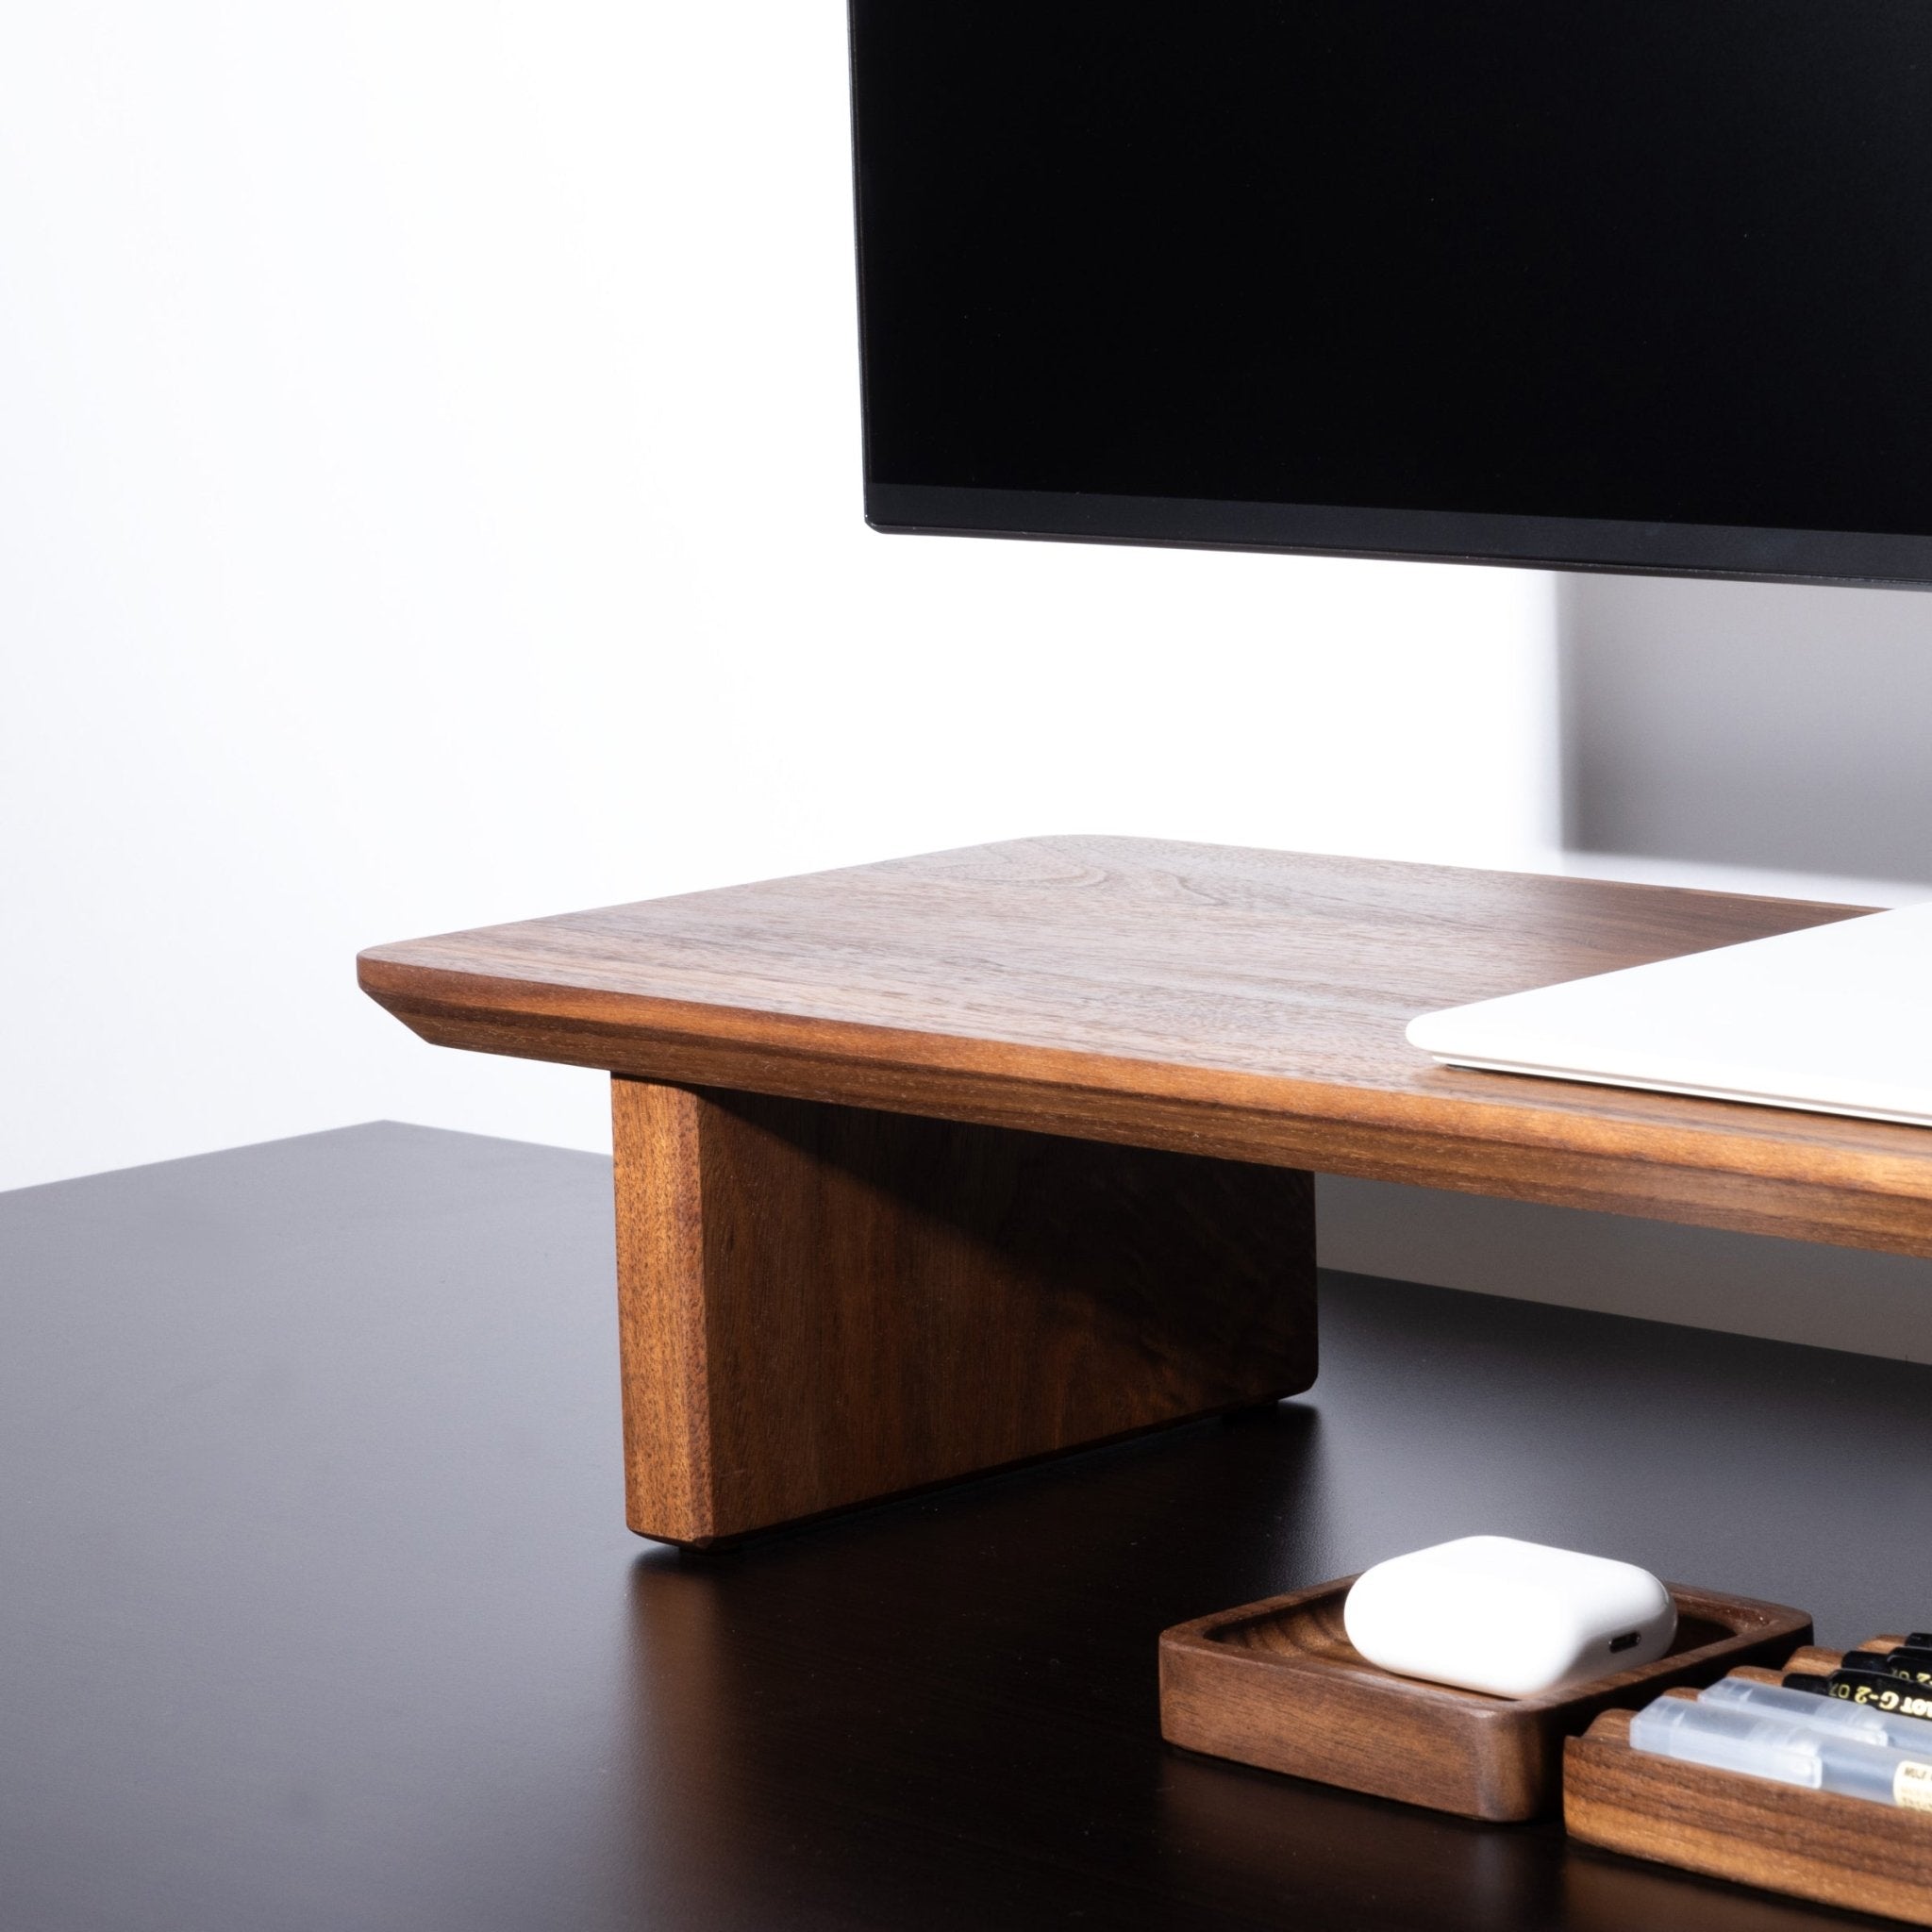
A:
x: 1244, y: 1004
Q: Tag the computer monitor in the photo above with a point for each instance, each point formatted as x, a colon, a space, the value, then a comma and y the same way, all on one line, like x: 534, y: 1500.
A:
x: 1607, y: 284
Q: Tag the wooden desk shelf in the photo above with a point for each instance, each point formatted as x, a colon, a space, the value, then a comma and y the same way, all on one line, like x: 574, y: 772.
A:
x: 827, y: 1297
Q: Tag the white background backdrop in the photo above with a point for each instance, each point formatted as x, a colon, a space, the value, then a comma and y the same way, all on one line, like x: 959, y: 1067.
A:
x: 431, y: 486
x: 429, y: 494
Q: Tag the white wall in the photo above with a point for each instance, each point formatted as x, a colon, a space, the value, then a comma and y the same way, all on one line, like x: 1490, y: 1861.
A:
x: 429, y: 495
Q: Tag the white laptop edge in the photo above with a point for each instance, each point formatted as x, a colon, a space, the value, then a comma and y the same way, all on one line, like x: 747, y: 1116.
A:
x: 1834, y: 1018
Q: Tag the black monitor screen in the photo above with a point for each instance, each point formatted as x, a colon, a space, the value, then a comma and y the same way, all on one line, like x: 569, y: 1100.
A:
x: 1626, y: 283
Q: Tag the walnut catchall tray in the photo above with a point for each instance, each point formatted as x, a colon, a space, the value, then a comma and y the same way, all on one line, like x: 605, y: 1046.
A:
x: 1278, y: 1685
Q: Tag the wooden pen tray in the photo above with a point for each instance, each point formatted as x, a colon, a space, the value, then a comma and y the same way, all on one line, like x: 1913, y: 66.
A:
x: 1815, y: 1845
x: 1277, y: 1684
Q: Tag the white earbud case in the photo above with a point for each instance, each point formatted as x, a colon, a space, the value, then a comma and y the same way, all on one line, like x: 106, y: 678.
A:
x: 1513, y: 1619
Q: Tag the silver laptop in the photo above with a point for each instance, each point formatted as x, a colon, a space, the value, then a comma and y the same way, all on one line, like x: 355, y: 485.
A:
x: 1836, y: 1019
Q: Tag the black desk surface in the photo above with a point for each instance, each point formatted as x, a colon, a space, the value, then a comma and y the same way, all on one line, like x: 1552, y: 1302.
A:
x: 317, y: 1609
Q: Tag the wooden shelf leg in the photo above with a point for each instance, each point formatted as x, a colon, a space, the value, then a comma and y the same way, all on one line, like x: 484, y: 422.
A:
x: 823, y: 1306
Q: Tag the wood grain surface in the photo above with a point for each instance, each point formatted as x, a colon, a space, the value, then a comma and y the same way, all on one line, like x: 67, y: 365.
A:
x: 1277, y: 1684
x: 1838, y: 1851
x: 822, y: 1305
x: 1815, y: 1660
x: 1246, y: 1005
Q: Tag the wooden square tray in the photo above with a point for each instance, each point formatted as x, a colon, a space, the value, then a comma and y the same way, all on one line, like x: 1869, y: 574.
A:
x: 1277, y: 1684
x: 1813, y: 1845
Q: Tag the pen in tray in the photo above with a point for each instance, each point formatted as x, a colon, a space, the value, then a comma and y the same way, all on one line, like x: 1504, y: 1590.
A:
x: 1786, y: 1748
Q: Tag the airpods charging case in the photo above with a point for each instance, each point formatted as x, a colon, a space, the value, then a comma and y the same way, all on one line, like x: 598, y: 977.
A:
x: 1512, y: 1619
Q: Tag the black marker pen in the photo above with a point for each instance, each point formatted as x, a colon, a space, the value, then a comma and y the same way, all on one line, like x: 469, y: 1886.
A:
x: 1905, y: 1660
x: 1895, y: 1696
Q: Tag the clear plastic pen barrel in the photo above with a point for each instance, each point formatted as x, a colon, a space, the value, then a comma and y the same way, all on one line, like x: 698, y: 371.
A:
x: 1822, y: 1713
x: 1782, y: 1748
